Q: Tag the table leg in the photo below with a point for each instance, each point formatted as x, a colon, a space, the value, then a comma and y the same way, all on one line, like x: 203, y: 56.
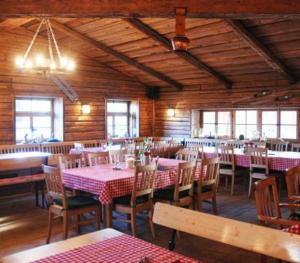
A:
x: 108, y: 215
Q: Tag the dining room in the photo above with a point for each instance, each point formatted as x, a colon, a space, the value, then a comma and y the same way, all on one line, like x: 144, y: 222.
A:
x: 149, y: 131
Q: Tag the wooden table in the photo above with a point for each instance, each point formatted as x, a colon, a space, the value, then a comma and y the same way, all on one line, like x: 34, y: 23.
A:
x: 22, y: 160
x: 107, y: 183
x: 106, y: 245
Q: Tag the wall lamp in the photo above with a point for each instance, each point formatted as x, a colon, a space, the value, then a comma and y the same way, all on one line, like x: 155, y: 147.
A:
x: 171, y: 112
x: 85, y: 108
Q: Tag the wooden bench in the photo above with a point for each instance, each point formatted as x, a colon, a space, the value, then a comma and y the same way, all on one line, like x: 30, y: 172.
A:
x: 262, y: 240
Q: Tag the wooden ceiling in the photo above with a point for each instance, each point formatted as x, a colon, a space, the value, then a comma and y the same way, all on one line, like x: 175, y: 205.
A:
x: 221, y: 51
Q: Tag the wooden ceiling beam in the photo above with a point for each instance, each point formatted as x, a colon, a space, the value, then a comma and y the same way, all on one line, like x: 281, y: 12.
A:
x: 96, y: 44
x: 12, y: 23
x: 242, y: 32
x: 150, y: 32
x: 154, y: 8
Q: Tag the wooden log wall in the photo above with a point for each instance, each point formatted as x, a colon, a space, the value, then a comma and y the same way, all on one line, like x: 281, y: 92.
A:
x: 216, y: 97
x: 92, y: 81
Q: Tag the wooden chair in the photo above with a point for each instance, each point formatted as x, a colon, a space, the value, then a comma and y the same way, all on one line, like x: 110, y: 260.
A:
x: 259, y: 168
x: 69, y: 161
x: 292, y: 179
x: 98, y: 158
x: 278, y: 145
x: 182, y: 193
x: 129, y: 148
x: 187, y: 155
x: 295, y: 147
x: 159, y: 148
x: 198, y: 148
x: 57, y: 147
x: 67, y: 207
x: 140, y: 198
x: 116, y: 156
x: 268, y: 206
x: 206, y: 187
x: 260, y: 144
x: 53, y: 159
x: 235, y: 144
x: 227, y: 164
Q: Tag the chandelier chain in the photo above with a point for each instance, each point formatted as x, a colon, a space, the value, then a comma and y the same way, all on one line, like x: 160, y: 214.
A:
x: 54, y: 39
x: 50, y: 44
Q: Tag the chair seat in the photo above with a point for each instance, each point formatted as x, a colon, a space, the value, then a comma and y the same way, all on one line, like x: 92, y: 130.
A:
x: 258, y: 176
x: 205, y: 189
x: 77, y: 201
x: 226, y: 171
x: 125, y: 200
x: 168, y: 194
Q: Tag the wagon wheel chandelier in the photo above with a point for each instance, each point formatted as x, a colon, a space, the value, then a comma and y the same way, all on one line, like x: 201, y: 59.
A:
x: 53, y: 63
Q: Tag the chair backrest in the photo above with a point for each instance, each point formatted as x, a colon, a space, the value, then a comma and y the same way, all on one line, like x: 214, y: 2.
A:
x: 187, y: 155
x: 295, y: 147
x: 116, y: 156
x: 260, y: 144
x: 209, y: 175
x: 267, y: 201
x: 159, y: 148
x: 98, y: 158
x: 198, y: 148
x: 129, y: 148
x: 91, y: 143
x: 278, y: 145
x: 292, y: 179
x: 54, y: 184
x: 57, y: 147
x: 53, y: 159
x: 235, y: 144
x: 184, y: 179
x: 259, y: 159
x: 144, y: 180
x: 226, y: 154
x: 69, y: 161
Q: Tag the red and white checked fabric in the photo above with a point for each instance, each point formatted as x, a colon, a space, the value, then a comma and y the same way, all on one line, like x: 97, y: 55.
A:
x: 121, y: 249
x: 276, y: 163
x: 22, y: 179
x: 294, y: 229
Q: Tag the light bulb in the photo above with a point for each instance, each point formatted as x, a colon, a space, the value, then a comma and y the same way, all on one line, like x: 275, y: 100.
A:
x: 19, y: 62
x: 28, y: 64
x: 39, y: 60
x: 63, y: 62
x: 53, y: 66
x: 71, y: 65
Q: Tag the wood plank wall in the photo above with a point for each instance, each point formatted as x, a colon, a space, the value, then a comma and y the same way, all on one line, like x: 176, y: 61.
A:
x: 93, y: 82
x: 215, y: 96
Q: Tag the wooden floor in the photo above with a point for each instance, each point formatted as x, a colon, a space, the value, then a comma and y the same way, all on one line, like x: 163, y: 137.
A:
x: 23, y: 226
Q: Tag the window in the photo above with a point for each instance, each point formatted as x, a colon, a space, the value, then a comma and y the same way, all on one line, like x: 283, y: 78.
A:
x: 269, y: 124
x: 224, y: 123
x: 34, y: 119
x: 288, y: 124
x: 122, y: 118
x: 209, y: 123
x: 246, y: 123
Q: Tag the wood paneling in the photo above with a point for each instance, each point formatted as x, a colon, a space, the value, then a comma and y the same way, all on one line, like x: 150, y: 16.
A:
x: 93, y: 81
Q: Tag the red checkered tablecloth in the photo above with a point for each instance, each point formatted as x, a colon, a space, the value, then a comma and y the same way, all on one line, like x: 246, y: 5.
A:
x: 121, y: 249
x: 277, y: 161
x: 295, y: 229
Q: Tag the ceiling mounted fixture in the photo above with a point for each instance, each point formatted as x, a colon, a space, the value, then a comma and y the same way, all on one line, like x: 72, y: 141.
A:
x: 54, y: 63
x: 180, y: 42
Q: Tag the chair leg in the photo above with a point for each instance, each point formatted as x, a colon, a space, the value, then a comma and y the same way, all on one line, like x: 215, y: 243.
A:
x: 232, y: 184
x: 50, y: 223
x: 250, y: 186
x: 226, y: 182
x: 98, y: 217
x: 214, y: 204
x: 133, y: 222
x: 150, y: 214
x: 128, y: 217
x: 77, y: 223
x: 65, y: 224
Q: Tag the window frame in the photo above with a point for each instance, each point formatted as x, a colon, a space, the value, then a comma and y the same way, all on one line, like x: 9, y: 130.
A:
x: 32, y: 114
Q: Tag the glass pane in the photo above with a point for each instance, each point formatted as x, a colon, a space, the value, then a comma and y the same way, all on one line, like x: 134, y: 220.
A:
x: 288, y: 117
x: 121, y: 120
x: 240, y: 130
x: 41, y: 133
x: 251, y: 116
x: 251, y: 131
x: 22, y: 122
x: 209, y: 130
x: 224, y: 130
x: 269, y: 131
x: 240, y: 117
x: 33, y: 105
x: 117, y: 107
x: 288, y: 132
x: 269, y: 117
x: 224, y: 117
x: 41, y: 122
x: 20, y: 134
x: 109, y: 126
x: 209, y: 117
